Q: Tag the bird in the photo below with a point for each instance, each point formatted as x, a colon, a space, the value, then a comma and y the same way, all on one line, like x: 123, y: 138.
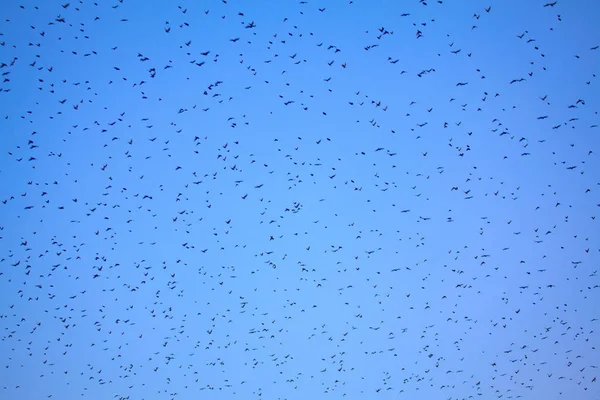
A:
x: 280, y: 209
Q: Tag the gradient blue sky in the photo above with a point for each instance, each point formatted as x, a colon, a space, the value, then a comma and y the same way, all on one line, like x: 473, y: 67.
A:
x: 290, y: 200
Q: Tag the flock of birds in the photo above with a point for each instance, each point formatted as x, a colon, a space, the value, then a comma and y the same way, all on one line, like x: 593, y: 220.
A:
x: 278, y: 200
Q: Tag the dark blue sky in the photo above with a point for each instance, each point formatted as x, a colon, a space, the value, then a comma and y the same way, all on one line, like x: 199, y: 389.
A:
x: 291, y: 200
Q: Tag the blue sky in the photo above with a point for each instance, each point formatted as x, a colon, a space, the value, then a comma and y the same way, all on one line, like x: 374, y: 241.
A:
x: 284, y: 200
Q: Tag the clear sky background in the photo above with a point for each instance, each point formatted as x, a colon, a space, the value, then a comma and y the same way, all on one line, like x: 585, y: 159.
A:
x: 291, y: 200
